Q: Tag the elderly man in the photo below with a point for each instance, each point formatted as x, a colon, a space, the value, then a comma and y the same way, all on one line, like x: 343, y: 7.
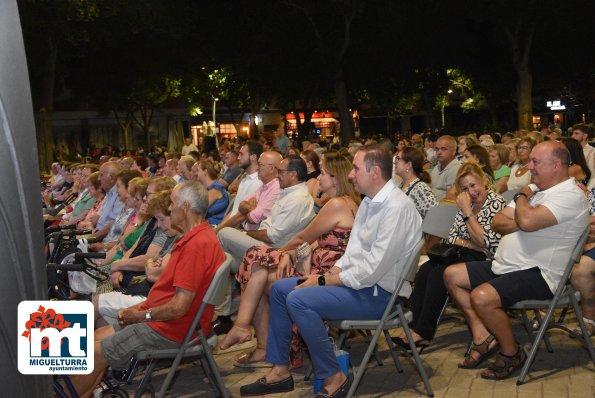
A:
x: 112, y: 205
x: 445, y: 172
x: 357, y: 287
x: 251, y: 212
x: 291, y: 213
x: 185, y: 168
x: 171, y: 169
x: 162, y: 320
x: 540, y: 227
x: 255, y: 208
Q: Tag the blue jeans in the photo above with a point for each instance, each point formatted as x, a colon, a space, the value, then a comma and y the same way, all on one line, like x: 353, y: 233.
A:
x: 307, y: 308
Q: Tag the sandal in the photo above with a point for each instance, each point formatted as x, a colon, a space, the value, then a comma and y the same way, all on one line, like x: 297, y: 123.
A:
x: 483, y: 350
x: 247, y: 361
x: 579, y: 333
x: 504, y: 366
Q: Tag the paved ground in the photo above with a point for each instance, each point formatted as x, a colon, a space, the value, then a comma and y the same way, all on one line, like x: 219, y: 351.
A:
x: 567, y: 372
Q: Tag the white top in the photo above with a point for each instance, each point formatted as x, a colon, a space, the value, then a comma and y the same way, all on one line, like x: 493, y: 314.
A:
x: 443, y: 179
x: 515, y: 182
x: 248, y: 185
x: 384, y: 233
x: 186, y: 149
x: 589, y: 152
x: 291, y: 213
x: 548, y: 248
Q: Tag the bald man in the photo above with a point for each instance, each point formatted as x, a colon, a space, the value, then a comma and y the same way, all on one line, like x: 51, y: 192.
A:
x: 540, y: 228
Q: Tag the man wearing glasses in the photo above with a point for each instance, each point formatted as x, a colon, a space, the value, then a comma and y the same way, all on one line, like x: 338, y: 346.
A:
x: 291, y: 212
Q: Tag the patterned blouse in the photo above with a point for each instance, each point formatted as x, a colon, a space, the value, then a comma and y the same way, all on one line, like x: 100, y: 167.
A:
x: 422, y: 196
x: 493, y: 204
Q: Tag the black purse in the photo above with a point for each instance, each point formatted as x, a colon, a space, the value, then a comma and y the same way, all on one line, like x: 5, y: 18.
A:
x: 448, y: 253
x: 444, y: 253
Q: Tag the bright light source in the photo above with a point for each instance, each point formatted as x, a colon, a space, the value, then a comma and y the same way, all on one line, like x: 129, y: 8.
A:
x: 256, y: 120
x: 449, y: 91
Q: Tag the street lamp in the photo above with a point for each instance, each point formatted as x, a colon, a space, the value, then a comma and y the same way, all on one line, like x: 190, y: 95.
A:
x: 215, y: 111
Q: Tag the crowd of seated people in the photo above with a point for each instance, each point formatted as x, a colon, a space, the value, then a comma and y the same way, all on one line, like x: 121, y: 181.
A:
x: 149, y: 225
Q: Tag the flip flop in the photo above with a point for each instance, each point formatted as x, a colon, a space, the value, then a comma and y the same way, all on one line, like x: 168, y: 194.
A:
x: 243, y: 361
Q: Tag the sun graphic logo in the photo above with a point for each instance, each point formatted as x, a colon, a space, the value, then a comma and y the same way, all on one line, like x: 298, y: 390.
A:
x: 55, y: 337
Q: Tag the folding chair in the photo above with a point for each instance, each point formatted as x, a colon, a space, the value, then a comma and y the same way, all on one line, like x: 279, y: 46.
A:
x: 438, y: 222
x: 393, y: 317
x: 564, y: 297
x: 232, y: 199
x: 200, y: 346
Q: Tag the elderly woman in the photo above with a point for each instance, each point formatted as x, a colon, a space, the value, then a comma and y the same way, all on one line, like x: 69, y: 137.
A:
x: 519, y: 174
x: 107, y: 305
x: 327, y: 235
x: 409, y: 163
x: 474, y: 238
x: 207, y: 173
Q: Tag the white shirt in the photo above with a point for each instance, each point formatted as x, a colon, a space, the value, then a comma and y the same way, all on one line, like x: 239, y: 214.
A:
x: 186, y: 149
x: 291, y: 213
x: 443, y: 179
x: 589, y: 152
x: 249, y: 184
x: 384, y: 233
x: 548, y: 248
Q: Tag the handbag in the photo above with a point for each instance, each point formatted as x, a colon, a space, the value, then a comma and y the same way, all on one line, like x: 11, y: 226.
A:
x: 448, y: 253
x: 303, y: 256
x: 444, y: 253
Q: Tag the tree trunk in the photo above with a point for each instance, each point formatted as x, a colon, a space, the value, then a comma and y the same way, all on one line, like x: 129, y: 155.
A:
x: 524, y: 99
x: 347, y: 132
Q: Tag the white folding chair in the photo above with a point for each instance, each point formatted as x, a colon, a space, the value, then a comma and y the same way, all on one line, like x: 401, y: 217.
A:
x: 439, y: 220
x: 564, y: 297
x: 198, y: 347
x: 393, y: 317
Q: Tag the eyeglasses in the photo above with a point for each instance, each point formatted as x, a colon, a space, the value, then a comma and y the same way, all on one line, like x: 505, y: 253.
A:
x: 283, y: 170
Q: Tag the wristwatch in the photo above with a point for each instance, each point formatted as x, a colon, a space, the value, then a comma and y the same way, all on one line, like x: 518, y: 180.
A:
x: 148, y: 315
x: 518, y: 195
x: 321, y: 280
x: 467, y: 217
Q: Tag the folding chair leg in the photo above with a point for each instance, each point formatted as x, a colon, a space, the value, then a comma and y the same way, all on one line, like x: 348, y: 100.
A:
x: 414, y: 353
x: 583, y: 327
x: 443, y: 310
x: 391, y: 349
x: 546, y: 337
x: 376, y: 356
x: 535, y: 346
x: 359, y: 371
x: 215, y: 371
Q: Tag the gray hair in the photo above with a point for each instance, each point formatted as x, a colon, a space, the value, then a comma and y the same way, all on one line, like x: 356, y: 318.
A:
x: 196, y: 195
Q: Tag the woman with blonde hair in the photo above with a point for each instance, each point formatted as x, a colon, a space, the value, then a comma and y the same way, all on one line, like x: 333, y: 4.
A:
x: 207, y: 173
x: 472, y: 237
x: 325, y: 238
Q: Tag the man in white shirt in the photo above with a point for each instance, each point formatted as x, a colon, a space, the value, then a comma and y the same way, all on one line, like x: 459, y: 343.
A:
x: 188, y: 147
x: 540, y: 228
x: 582, y: 133
x: 256, y: 207
x: 445, y: 172
x: 357, y: 287
x: 291, y: 213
